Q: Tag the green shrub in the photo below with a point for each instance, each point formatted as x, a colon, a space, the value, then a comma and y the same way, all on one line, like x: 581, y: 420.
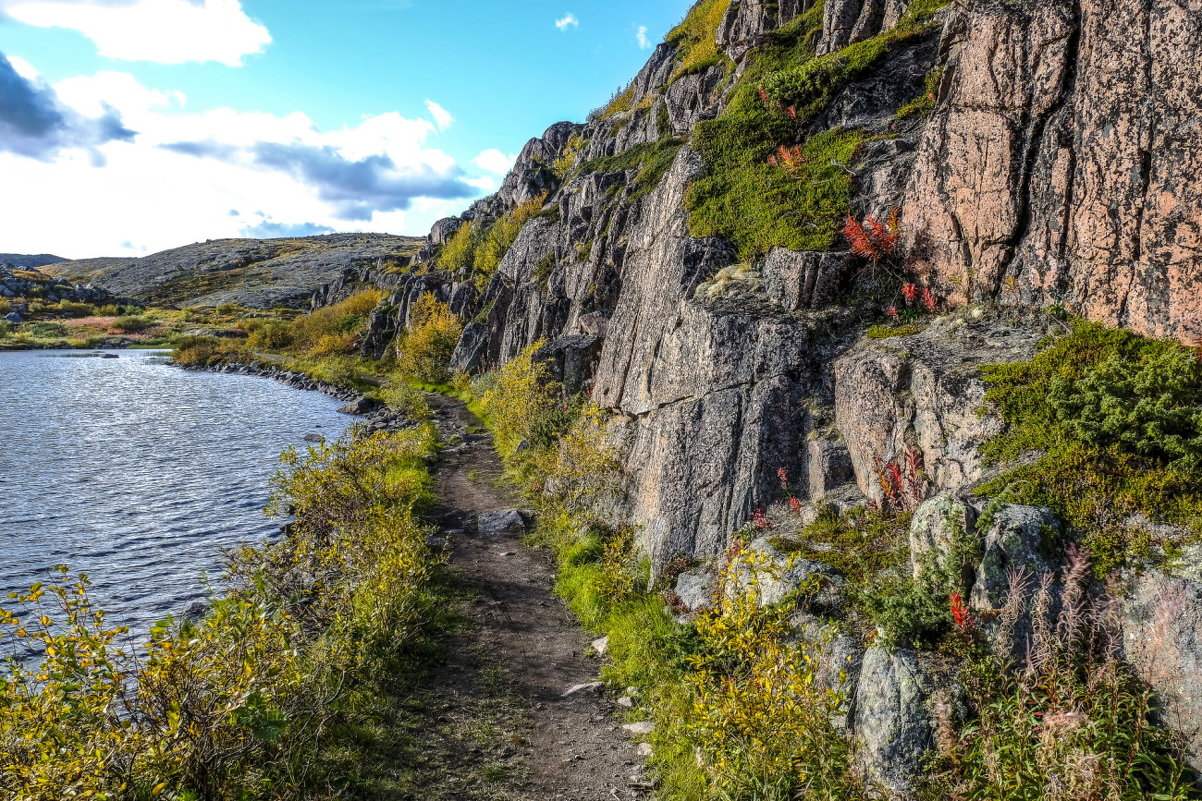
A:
x: 44, y: 330
x: 333, y: 329
x: 251, y: 701
x: 1147, y: 404
x: 696, y: 38
x: 131, y: 324
x: 651, y: 161
x: 1092, y: 406
x: 270, y: 335
x: 458, y: 254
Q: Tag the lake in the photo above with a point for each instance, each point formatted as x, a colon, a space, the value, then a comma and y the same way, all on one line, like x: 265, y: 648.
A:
x: 139, y: 473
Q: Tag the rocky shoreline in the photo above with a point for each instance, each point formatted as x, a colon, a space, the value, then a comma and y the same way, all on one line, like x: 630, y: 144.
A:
x: 376, y: 416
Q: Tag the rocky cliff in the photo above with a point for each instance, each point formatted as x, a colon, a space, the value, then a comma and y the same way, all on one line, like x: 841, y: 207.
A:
x: 685, y: 270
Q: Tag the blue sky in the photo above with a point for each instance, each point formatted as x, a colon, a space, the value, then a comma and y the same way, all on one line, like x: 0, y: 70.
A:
x: 128, y: 126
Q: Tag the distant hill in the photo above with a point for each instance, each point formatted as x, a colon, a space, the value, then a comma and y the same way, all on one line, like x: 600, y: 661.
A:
x: 29, y: 262
x: 258, y: 273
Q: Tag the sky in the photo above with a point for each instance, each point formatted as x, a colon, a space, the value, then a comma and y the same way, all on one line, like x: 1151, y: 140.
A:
x: 132, y: 126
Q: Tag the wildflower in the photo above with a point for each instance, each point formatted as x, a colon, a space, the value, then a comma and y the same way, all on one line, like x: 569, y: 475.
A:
x: 858, y: 239
x: 767, y: 101
x: 795, y: 506
x: 910, y: 293
x: 929, y: 300
x: 783, y: 475
x: 772, y: 160
x: 791, y: 112
x: 960, y: 614
x: 760, y: 520
x: 891, y: 313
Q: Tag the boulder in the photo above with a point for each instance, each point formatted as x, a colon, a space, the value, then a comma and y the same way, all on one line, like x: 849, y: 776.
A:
x: 938, y: 525
x: 1015, y: 537
x: 506, y: 521
x: 1162, y: 639
x: 775, y: 575
x: 924, y: 392
x: 695, y: 589
x: 892, y: 723
x: 470, y: 349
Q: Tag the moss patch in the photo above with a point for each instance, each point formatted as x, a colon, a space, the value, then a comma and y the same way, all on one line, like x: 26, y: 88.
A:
x: 1073, y: 404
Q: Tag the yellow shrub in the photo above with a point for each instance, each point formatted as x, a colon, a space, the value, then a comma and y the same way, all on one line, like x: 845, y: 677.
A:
x: 348, y: 317
x: 518, y: 399
x: 761, y: 718
x: 424, y: 349
x: 459, y: 251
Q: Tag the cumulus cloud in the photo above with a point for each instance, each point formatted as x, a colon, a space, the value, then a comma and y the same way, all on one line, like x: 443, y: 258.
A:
x: 193, y: 175
x: 567, y: 21
x: 494, y: 161
x: 640, y: 36
x: 35, y: 123
x: 268, y: 228
x: 442, y: 117
x: 358, y: 189
x: 163, y: 31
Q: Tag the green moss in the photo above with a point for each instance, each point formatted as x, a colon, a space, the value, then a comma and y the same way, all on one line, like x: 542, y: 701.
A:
x: 758, y: 206
x: 650, y: 159
x: 925, y: 102
x: 754, y: 204
x: 696, y: 38
x: 888, y: 331
x: 1109, y: 415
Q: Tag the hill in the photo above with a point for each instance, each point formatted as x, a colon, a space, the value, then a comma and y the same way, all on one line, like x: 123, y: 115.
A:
x: 258, y: 273
x: 28, y: 262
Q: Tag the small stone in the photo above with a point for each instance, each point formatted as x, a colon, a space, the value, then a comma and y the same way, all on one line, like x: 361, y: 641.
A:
x: 579, y: 688
x: 507, y: 521
x: 645, y: 749
x: 640, y: 729
x: 626, y: 701
x: 601, y: 645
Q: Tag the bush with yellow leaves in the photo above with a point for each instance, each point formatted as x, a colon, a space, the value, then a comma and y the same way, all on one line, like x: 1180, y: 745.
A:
x: 761, y: 716
x: 241, y: 703
x: 424, y: 349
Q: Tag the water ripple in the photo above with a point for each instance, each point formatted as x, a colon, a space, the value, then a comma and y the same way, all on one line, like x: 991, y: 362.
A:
x: 138, y: 473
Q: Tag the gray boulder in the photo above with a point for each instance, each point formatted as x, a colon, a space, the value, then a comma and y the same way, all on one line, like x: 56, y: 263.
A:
x: 775, y: 575
x: 1162, y: 639
x: 506, y: 521
x: 695, y: 588
x: 938, y: 524
x: 893, y: 727
x: 1014, y: 538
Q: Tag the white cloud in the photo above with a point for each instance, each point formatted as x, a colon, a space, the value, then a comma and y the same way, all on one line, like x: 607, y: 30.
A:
x: 494, y: 161
x: 179, y: 179
x: 442, y: 117
x: 641, y: 37
x: 163, y: 31
x: 567, y: 21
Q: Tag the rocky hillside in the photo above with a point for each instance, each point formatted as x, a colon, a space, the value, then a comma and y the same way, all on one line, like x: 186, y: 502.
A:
x: 685, y: 260
x: 19, y: 287
x: 257, y: 273
x: 28, y: 262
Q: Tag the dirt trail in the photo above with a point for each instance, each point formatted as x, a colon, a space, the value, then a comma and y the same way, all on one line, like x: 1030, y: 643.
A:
x: 569, y: 748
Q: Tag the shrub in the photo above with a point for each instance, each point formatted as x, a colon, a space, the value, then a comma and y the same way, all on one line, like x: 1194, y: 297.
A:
x: 424, y: 350
x: 69, y: 308
x: 333, y: 329
x: 1066, y: 720
x: 270, y: 335
x: 248, y: 702
x: 522, y: 404
x: 1147, y: 403
x: 696, y: 38
x: 1099, y: 460
x: 131, y: 324
x: 458, y: 253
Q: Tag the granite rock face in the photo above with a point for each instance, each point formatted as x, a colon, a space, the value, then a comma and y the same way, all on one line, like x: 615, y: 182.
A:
x: 1061, y: 163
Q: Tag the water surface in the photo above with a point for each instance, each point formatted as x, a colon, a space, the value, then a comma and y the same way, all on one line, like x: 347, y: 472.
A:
x: 138, y: 473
